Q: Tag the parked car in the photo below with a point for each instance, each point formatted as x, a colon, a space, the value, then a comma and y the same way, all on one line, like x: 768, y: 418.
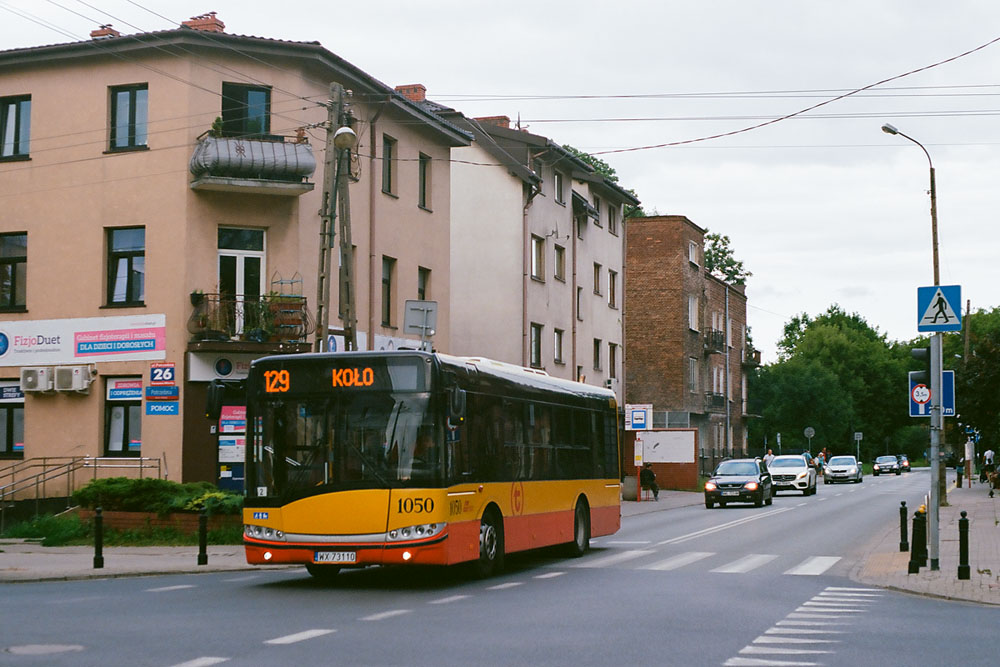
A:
x: 842, y: 469
x: 886, y: 464
x: 904, y: 462
x: 793, y: 472
x: 739, y: 481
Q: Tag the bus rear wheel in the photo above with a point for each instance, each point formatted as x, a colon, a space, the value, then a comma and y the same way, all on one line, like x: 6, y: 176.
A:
x: 324, y: 573
x: 490, y: 545
x: 581, y: 530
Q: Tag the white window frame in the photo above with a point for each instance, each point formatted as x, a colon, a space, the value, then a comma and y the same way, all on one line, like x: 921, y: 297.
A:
x: 693, y: 312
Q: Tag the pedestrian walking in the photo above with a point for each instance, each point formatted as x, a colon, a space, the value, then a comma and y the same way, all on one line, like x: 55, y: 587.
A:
x: 768, y: 458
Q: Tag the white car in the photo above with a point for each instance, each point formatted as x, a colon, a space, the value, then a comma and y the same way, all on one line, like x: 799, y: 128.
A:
x: 842, y: 469
x: 794, y: 473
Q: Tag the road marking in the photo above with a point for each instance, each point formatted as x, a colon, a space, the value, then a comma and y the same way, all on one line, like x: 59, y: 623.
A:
x: 299, y: 637
x: 797, y: 614
x: 822, y: 499
x: 723, y: 526
x: 745, y: 564
x: 823, y: 610
x: 602, y: 561
x: 679, y: 560
x: 801, y: 631
x: 774, y: 650
x: 793, y: 640
x: 833, y: 606
x: 814, y: 566
x: 549, y: 575
x: 757, y: 662
x: 812, y: 623
x: 801, y: 504
x: 624, y: 542
x: 853, y: 590
x: 236, y: 579
x: 509, y: 584
x: 385, y: 614
x: 169, y: 588
x: 202, y: 662
x: 447, y: 600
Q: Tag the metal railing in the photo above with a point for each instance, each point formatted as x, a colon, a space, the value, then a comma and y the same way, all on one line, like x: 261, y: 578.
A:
x: 259, y: 319
x: 33, y: 479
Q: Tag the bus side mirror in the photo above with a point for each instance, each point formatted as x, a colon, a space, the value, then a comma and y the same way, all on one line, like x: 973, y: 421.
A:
x: 214, y: 400
x: 456, y: 406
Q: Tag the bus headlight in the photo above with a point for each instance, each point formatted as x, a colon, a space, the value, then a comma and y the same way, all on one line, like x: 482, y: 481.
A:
x: 263, y: 533
x: 419, y: 532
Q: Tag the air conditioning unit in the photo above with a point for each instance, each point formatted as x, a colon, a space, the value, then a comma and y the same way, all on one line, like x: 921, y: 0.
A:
x: 73, y: 378
x: 610, y: 383
x: 36, y: 379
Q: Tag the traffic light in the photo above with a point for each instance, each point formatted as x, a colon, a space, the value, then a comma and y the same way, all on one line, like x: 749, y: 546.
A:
x: 923, y: 374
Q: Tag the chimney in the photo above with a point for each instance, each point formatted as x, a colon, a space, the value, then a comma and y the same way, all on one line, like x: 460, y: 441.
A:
x: 415, y: 92
x: 104, y: 32
x: 496, y: 121
x: 205, y: 23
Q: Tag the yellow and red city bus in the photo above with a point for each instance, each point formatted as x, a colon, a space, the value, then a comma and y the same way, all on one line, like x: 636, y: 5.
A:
x: 407, y: 457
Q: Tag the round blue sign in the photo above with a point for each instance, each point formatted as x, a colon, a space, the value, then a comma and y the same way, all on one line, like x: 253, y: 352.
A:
x: 4, y: 343
x: 223, y: 366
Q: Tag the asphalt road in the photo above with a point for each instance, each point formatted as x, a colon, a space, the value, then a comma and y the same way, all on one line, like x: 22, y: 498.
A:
x: 690, y: 586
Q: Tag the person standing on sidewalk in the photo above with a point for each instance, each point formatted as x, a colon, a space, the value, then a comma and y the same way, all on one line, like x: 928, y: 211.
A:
x: 768, y: 458
x: 647, y: 480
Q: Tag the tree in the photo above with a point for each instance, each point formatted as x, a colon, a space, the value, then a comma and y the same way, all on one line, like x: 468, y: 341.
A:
x: 978, y: 373
x: 720, y: 261
x: 608, y: 172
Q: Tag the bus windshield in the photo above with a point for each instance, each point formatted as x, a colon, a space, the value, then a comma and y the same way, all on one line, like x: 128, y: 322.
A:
x: 373, y: 440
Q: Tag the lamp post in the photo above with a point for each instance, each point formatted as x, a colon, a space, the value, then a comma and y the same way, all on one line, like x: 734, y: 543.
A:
x: 937, y: 339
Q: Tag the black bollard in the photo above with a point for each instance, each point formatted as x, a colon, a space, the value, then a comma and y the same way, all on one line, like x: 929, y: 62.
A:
x: 202, y: 539
x: 963, y: 547
x: 904, y: 544
x: 98, y: 539
x: 918, y: 554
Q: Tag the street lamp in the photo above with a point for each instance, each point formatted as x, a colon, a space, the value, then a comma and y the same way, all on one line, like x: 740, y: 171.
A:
x: 937, y: 417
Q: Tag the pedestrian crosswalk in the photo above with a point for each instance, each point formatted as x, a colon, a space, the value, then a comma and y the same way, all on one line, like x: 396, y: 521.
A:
x: 709, y: 561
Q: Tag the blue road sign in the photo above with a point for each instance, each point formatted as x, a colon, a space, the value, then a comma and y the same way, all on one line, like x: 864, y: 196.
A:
x: 939, y: 308
x: 920, y: 396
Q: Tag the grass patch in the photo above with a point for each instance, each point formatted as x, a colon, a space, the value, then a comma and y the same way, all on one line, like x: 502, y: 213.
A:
x: 54, y: 531
x: 69, y: 530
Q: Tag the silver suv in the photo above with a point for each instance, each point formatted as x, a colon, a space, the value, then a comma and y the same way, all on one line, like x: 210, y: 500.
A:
x: 793, y: 472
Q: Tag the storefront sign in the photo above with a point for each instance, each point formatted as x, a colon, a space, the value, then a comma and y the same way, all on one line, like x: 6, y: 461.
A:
x: 163, y: 408
x: 124, y: 389
x: 87, y: 339
x: 232, y: 449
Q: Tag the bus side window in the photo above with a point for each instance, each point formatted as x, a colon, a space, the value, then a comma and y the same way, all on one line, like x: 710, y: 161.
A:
x: 582, y: 440
x: 539, y: 441
x: 562, y: 440
x: 513, y: 439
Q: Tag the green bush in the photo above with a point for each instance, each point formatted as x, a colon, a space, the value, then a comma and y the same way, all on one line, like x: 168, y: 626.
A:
x: 54, y: 531
x: 156, y: 495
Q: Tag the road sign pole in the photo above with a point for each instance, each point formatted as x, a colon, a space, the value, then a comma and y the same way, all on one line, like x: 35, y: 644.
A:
x: 937, y: 424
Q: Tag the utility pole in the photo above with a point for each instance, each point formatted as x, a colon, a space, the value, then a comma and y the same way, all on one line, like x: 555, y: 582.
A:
x: 327, y: 214
x: 348, y: 314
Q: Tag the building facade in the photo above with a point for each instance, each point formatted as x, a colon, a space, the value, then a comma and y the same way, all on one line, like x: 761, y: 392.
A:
x: 160, y: 230
x: 686, y: 336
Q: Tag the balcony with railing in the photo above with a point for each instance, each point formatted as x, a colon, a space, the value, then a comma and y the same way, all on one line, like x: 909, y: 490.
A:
x: 715, y: 402
x: 751, y: 358
x: 267, y: 322
x: 267, y: 164
x: 715, y: 342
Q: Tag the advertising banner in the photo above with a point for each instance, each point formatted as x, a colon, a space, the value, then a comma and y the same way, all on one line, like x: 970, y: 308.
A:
x: 83, y: 340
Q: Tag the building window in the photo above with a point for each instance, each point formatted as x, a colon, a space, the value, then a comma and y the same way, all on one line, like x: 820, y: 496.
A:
x: 388, y: 268
x: 129, y: 106
x: 693, y: 252
x: 597, y: 207
x: 13, y: 270
x: 597, y: 354
x: 423, y: 283
x: 579, y: 302
x: 536, y: 345
x: 581, y: 224
x: 246, y: 110
x: 612, y: 288
x: 557, y: 346
x: 693, y: 313
x: 424, y: 172
x: 388, y: 165
x: 612, y: 359
x: 241, y: 274
x: 127, y: 266
x: 580, y: 377
x: 613, y: 219
x: 597, y: 278
x: 15, y: 126
x: 123, y: 417
x: 558, y: 187
x: 537, y: 257
x: 11, y: 420
x: 693, y: 375
x: 560, y: 269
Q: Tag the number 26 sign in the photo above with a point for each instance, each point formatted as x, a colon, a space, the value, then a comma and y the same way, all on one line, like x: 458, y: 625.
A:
x: 162, y: 374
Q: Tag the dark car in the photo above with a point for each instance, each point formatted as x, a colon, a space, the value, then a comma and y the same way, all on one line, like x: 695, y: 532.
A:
x: 904, y: 462
x: 739, y: 481
x: 886, y: 464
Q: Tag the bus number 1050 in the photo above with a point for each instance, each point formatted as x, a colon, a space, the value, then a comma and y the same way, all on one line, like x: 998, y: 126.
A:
x: 415, y: 505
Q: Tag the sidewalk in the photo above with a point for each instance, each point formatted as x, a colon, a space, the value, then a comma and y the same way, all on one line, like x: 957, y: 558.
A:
x: 880, y: 563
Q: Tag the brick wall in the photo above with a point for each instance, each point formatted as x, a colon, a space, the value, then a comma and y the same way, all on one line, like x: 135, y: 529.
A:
x: 184, y: 522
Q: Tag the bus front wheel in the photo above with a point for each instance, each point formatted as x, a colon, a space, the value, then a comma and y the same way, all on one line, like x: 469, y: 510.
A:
x: 581, y: 530
x: 490, y: 545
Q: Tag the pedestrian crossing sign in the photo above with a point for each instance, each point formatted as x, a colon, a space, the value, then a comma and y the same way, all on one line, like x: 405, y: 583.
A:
x: 939, y: 308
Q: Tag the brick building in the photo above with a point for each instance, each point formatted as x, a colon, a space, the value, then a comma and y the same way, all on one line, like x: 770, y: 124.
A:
x: 685, y: 330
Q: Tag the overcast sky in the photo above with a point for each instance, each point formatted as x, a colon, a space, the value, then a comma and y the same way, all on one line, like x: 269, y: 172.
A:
x: 823, y: 208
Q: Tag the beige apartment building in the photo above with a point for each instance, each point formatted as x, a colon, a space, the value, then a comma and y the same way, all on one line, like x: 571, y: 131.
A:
x: 538, y: 252
x: 160, y: 229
